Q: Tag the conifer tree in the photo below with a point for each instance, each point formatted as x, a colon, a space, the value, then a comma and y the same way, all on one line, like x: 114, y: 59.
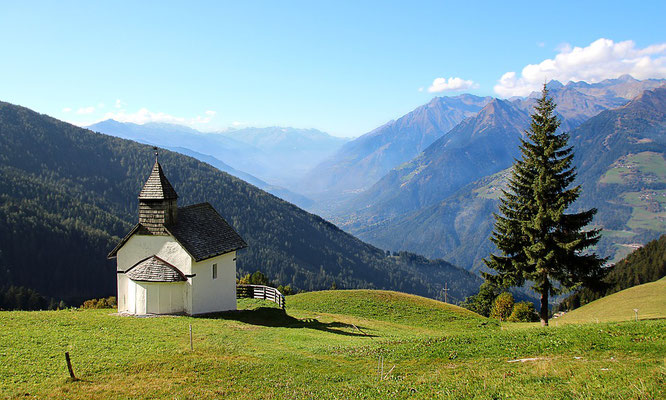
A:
x: 540, y: 243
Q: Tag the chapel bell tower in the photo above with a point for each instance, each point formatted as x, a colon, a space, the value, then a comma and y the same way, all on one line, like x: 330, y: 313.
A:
x: 158, y: 201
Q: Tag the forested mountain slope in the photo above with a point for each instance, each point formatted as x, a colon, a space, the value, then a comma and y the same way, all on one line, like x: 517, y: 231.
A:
x: 68, y: 194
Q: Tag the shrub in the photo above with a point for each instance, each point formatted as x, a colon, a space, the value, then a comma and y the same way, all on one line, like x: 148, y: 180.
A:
x: 523, y: 312
x: 285, y: 290
x: 109, y: 302
x: 258, y: 278
x: 502, y: 306
x: 482, y: 302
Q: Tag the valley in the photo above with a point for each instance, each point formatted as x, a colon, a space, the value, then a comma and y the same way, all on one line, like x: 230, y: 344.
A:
x: 439, y: 204
x: 441, y: 156
x: 69, y: 194
x: 332, y: 200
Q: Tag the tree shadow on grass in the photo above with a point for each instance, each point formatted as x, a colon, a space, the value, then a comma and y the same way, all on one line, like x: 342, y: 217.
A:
x: 277, y: 318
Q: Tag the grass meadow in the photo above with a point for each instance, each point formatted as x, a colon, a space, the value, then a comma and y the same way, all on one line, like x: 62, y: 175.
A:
x: 328, y: 345
x: 648, y: 299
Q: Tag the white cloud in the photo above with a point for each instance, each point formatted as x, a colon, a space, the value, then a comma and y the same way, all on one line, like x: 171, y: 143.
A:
x: 144, y: 115
x: 86, y: 110
x: 119, y: 104
x: 199, y: 120
x: 67, y: 109
x: 602, y: 59
x: 238, y: 123
x: 452, y: 84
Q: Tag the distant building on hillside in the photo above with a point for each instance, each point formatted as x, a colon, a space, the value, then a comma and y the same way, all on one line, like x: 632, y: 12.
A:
x: 176, y: 260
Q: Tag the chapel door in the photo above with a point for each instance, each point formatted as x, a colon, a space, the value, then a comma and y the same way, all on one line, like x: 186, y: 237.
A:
x: 153, y: 299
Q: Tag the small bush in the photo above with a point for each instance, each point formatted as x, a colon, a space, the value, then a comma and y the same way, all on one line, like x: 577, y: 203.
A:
x: 502, y: 306
x: 482, y: 302
x: 109, y: 302
x: 285, y: 290
x: 258, y: 278
x: 523, y: 312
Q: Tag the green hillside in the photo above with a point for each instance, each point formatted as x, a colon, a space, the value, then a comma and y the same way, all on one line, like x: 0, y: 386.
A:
x: 647, y: 264
x: 68, y: 194
x: 648, y: 298
x: 263, y: 353
x: 387, y: 306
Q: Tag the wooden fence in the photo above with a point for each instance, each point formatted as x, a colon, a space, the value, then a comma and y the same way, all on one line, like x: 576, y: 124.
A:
x: 260, y: 292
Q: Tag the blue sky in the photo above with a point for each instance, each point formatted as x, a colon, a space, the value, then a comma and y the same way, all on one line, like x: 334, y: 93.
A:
x: 341, y: 67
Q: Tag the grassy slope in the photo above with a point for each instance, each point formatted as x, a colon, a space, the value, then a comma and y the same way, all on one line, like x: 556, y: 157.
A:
x: 649, y: 299
x: 263, y: 353
x: 394, y: 307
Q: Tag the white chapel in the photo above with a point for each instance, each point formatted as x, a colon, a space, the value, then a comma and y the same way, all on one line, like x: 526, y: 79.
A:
x: 176, y: 260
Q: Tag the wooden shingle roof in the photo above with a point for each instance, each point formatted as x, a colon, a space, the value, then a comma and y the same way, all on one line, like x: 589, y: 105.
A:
x: 157, y: 187
x: 201, y: 231
x: 154, y: 269
x: 204, y: 233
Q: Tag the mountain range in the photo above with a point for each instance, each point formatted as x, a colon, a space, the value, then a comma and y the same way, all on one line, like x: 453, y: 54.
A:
x: 426, y: 183
x: 619, y: 155
x: 67, y: 194
x: 283, y: 193
x: 478, y: 146
x: 361, y: 162
x: 277, y: 156
x: 289, y: 152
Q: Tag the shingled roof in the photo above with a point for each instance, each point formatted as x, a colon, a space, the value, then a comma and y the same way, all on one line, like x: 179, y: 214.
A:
x: 154, y: 269
x: 200, y: 230
x: 157, y: 187
x: 204, y: 233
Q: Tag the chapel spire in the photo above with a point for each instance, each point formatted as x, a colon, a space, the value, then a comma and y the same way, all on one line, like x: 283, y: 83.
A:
x: 157, y: 187
x: 158, y: 201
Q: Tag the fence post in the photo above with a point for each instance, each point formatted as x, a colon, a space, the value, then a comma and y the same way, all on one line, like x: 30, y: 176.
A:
x: 69, y: 366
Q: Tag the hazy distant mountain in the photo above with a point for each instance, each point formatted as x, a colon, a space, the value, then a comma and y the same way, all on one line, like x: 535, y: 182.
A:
x: 284, y: 139
x: 361, y: 162
x: 480, y: 145
x: 621, y: 167
x: 239, y: 155
x: 279, y: 156
x: 284, y: 194
x: 290, y: 151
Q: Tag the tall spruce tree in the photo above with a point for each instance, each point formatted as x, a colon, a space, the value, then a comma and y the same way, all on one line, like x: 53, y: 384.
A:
x: 538, y: 241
